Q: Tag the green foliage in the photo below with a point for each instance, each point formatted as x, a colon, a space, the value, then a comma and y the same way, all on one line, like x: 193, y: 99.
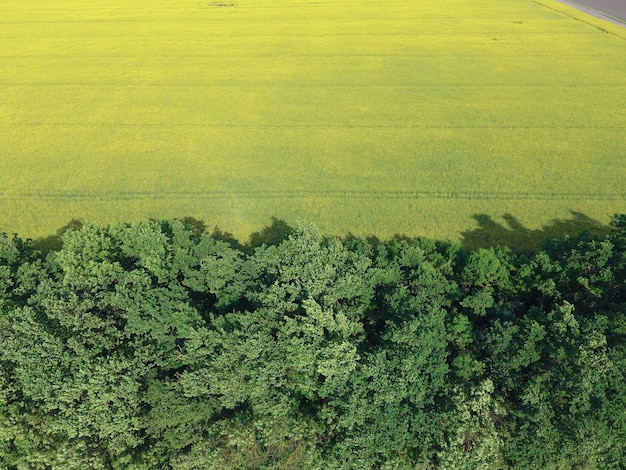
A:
x: 9, y: 256
x: 155, y: 346
x: 389, y: 410
x: 474, y: 440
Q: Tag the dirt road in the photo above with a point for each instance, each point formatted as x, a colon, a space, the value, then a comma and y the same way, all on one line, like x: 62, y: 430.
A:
x: 609, y: 10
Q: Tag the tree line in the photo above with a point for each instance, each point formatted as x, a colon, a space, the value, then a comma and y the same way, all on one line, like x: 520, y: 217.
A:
x: 153, y: 345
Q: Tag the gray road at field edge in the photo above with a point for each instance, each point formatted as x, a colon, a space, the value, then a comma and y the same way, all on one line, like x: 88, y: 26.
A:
x: 613, y: 11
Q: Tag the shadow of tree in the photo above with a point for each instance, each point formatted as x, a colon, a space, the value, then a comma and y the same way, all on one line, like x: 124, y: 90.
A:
x: 489, y: 233
x: 351, y: 238
x: 220, y: 235
x: 273, y: 234
x: 54, y: 242
x: 197, y: 227
x: 522, y: 239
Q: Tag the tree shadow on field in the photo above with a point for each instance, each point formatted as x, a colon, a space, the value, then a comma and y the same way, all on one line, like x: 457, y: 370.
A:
x: 522, y: 239
x: 273, y: 234
x: 372, y: 240
x: 199, y: 228
x: 489, y: 233
x: 54, y: 242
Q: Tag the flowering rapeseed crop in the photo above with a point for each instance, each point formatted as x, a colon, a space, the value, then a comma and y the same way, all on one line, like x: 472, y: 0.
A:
x: 360, y: 116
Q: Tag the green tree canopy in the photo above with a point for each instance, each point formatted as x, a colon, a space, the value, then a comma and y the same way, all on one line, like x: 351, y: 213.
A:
x: 152, y: 345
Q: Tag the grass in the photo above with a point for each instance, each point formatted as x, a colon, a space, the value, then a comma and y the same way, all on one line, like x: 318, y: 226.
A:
x: 364, y: 117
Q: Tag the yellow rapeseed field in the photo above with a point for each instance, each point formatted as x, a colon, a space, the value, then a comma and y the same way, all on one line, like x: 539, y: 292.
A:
x: 361, y: 116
